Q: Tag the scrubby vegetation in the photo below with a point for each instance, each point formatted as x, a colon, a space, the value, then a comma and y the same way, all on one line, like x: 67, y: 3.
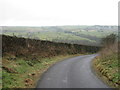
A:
x: 25, y: 47
x: 107, y: 64
x: 24, y: 59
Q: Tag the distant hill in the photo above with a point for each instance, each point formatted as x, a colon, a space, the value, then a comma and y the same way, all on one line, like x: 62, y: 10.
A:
x: 85, y: 35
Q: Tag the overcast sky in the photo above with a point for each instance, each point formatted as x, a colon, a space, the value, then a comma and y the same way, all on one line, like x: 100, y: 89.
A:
x: 58, y: 12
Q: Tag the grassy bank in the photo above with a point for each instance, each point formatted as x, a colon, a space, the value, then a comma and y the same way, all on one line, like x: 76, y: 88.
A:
x: 106, y: 66
x: 20, y: 73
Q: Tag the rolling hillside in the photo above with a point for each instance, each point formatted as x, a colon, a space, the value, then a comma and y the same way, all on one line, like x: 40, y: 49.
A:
x: 85, y: 35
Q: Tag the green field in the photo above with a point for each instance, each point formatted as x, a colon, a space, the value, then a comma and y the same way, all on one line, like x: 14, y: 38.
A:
x: 86, y: 35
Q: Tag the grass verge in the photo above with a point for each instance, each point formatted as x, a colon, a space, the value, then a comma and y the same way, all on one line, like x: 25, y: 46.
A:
x: 107, y: 69
x: 22, y: 73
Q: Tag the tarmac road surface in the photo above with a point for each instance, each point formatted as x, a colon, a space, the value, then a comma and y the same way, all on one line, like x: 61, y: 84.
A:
x: 74, y: 72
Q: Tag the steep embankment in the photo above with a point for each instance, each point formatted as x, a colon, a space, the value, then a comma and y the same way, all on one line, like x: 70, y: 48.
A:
x: 107, y: 65
x: 25, y: 59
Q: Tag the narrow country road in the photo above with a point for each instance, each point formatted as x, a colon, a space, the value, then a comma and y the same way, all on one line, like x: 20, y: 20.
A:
x: 75, y: 72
